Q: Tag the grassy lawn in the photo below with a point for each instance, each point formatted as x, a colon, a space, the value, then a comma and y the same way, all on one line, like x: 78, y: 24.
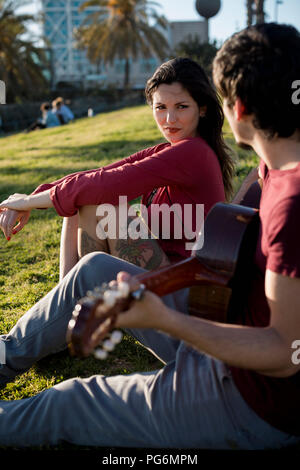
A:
x: 29, y: 262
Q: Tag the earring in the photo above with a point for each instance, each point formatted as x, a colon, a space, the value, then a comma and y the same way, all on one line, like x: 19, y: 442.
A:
x: 202, y: 114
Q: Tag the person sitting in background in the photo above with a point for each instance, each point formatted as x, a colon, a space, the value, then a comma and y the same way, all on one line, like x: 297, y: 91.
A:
x: 63, y: 110
x: 49, y: 119
x: 56, y: 109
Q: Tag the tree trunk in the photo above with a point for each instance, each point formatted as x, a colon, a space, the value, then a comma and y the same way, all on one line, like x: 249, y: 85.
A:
x: 260, y: 14
x: 249, y: 4
x: 258, y: 10
x: 126, y: 74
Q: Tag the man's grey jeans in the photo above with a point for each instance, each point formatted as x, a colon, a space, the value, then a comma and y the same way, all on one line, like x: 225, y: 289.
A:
x: 191, y: 402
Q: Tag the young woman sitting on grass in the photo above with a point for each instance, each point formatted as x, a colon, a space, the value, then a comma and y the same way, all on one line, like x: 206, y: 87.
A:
x: 192, y: 167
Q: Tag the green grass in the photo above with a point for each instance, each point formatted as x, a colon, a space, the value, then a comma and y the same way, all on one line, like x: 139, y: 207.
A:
x: 30, y: 261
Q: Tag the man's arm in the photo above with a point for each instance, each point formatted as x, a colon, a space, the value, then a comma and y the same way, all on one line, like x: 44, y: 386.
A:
x: 265, y: 350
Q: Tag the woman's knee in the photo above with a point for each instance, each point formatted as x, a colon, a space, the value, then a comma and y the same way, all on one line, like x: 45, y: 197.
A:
x: 94, y: 262
x: 102, y: 267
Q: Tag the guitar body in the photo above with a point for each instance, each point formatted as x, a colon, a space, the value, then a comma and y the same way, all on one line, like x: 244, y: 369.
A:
x: 219, y: 303
x: 217, y: 275
x: 220, y: 267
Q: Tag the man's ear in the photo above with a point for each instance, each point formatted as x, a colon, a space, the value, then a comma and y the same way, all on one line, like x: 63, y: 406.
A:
x: 239, y: 109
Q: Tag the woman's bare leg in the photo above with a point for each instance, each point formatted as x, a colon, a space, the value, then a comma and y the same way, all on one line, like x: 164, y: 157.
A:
x: 88, y: 240
x: 68, y: 245
x: 144, y: 252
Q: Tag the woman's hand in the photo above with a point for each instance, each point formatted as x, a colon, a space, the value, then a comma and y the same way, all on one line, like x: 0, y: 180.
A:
x: 149, y: 312
x: 8, y: 220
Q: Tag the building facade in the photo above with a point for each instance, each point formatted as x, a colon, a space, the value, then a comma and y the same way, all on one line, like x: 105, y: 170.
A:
x: 62, y: 17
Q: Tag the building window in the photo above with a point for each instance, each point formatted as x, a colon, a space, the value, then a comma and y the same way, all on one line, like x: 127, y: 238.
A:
x: 148, y: 65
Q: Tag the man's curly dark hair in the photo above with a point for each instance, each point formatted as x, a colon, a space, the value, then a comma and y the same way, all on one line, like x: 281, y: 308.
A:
x: 259, y: 65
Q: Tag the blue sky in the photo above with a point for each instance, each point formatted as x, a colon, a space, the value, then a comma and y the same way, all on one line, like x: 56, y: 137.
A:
x: 231, y: 17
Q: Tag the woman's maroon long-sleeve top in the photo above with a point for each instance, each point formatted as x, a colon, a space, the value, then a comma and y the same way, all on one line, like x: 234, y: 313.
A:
x: 187, y: 172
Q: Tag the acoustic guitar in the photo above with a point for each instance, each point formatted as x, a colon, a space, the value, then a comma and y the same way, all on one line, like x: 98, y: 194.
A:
x: 218, y: 276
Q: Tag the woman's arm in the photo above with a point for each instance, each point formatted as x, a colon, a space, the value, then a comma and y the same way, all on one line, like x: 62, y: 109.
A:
x: 16, y: 210
x: 23, y: 202
x: 11, y: 222
x: 183, y: 165
x: 130, y: 159
x: 9, y: 217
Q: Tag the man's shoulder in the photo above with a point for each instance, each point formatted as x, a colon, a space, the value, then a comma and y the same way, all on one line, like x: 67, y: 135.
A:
x: 280, y: 203
x: 283, y: 186
x: 281, y: 218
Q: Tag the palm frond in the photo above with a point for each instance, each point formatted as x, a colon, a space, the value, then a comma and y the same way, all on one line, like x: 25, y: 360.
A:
x: 22, y: 63
x: 122, y: 29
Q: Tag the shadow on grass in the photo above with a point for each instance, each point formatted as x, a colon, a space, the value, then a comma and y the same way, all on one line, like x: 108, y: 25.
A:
x: 128, y: 357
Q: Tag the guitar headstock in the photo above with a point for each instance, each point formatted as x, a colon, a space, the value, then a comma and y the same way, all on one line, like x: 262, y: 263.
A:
x: 94, y: 317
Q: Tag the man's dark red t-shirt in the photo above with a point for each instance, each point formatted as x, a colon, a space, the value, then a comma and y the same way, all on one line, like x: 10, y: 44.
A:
x: 276, y: 400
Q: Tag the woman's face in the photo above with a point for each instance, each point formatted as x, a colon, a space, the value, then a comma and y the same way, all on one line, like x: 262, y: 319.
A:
x: 176, y: 112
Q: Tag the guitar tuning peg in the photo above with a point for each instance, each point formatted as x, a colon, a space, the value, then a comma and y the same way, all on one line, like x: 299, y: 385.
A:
x: 86, y: 300
x: 108, y: 345
x: 109, y: 298
x: 116, y: 336
x: 97, y: 291
x: 100, y: 354
x: 77, y: 309
x: 139, y: 293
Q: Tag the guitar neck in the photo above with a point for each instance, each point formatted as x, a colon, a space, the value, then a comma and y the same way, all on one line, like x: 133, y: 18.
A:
x: 177, y: 276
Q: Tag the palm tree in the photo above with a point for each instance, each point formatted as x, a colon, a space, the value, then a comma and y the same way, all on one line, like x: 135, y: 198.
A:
x: 201, y: 52
x: 249, y: 6
x: 255, y: 7
x: 260, y: 14
x: 20, y: 60
x: 121, y: 28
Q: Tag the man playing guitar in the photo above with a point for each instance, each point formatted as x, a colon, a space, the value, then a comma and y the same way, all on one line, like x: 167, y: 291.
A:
x: 223, y: 385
